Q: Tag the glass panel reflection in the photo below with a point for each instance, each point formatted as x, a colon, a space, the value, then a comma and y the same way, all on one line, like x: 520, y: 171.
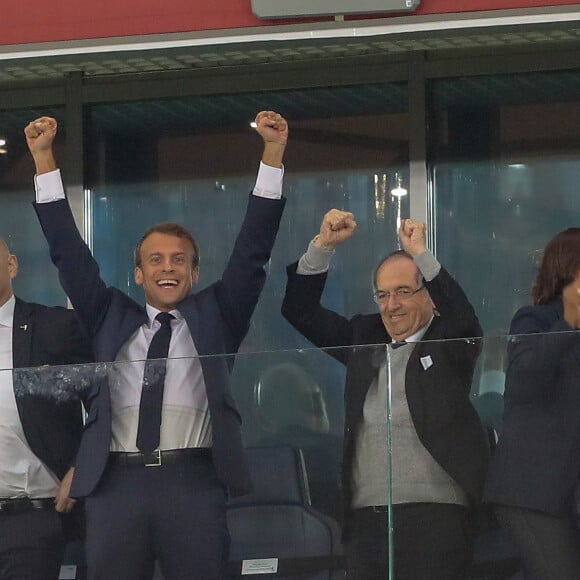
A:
x: 194, y: 161
x: 505, y: 174
x: 415, y: 460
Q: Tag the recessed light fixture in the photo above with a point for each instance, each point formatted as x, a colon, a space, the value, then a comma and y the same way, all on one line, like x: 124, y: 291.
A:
x: 398, y: 193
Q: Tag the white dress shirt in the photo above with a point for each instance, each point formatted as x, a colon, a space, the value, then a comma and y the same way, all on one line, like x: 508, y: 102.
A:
x: 21, y: 472
x: 185, y: 419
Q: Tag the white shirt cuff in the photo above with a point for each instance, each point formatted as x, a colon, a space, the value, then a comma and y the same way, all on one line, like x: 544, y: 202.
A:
x: 269, y: 182
x: 48, y: 187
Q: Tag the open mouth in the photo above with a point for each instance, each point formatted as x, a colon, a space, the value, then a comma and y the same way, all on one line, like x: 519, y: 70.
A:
x: 397, y: 316
x: 169, y: 283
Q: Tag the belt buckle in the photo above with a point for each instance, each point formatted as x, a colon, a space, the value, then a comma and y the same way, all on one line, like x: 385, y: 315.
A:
x: 152, y: 459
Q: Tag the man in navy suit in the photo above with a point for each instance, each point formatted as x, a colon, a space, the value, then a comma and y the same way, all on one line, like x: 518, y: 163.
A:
x: 39, y: 430
x: 168, y: 501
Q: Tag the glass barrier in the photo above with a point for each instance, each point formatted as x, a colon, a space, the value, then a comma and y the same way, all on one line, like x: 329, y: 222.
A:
x: 497, y: 145
x: 218, y: 204
x: 368, y: 455
x: 196, y: 159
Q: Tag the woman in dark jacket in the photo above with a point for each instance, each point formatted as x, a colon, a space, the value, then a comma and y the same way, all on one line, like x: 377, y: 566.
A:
x: 536, y: 467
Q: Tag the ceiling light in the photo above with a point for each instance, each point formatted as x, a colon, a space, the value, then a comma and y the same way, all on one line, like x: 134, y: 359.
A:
x: 399, y: 191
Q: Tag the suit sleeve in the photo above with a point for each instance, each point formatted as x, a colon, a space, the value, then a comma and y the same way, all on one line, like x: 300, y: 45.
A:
x: 79, y: 348
x: 460, y: 321
x: 243, y: 279
x: 536, y: 352
x: 78, y: 271
x: 79, y: 351
x: 302, y: 309
x: 453, y: 306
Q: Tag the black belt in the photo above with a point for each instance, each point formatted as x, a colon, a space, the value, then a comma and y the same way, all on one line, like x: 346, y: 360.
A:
x: 23, y: 504
x: 158, y: 458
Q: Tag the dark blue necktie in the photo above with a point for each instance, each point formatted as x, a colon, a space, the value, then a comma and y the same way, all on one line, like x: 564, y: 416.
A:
x: 148, y: 432
x: 398, y: 344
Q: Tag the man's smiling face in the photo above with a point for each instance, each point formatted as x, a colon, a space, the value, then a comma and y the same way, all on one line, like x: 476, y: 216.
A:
x: 403, y: 317
x: 166, y: 271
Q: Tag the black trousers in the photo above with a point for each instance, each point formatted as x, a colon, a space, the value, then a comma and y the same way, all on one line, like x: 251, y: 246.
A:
x: 431, y: 542
x: 31, y: 545
x: 549, y: 545
x: 174, y: 513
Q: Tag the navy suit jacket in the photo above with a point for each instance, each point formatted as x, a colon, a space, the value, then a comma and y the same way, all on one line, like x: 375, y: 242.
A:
x: 50, y: 413
x: 218, y: 318
x: 438, y: 397
x: 537, y: 461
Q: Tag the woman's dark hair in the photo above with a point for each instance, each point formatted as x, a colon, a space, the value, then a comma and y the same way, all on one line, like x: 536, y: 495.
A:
x: 559, y: 267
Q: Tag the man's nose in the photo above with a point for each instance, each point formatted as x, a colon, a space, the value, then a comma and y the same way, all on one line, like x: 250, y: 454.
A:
x: 393, y: 302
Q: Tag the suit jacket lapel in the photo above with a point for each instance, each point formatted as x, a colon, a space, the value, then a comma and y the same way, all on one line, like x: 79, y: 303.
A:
x: 416, y: 388
x: 21, y: 335
x: 188, y: 309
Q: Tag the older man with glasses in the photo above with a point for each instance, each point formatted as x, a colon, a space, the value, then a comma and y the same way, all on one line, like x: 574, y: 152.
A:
x: 439, y: 451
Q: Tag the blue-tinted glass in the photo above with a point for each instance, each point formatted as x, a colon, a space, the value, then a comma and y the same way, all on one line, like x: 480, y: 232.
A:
x: 505, y: 175
x: 37, y: 280
x: 195, y: 162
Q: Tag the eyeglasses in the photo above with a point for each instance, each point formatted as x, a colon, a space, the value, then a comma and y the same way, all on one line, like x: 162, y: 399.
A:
x: 402, y: 294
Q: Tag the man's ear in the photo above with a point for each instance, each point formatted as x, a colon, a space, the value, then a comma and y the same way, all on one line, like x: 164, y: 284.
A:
x: 195, y: 275
x: 12, y: 266
x: 138, y: 276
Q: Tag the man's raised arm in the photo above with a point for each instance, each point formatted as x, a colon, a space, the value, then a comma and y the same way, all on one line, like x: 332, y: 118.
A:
x: 40, y: 135
x: 273, y: 129
x: 78, y: 271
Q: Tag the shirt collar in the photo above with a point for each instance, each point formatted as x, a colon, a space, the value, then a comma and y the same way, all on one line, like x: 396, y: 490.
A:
x: 152, y: 312
x: 420, y: 333
x: 7, y: 312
